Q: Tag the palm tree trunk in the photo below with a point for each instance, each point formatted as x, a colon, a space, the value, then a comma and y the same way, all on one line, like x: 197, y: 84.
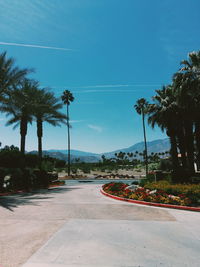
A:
x: 23, y: 141
x: 68, y: 131
x: 197, y: 137
x: 23, y: 132
x: 181, y: 145
x: 189, y: 139
x: 39, y: 134
x: 145, y: 144
x: 174, y: 152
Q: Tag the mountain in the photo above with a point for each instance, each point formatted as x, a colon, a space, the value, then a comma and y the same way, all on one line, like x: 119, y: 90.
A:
x: 160, y: 145
x: 75, y: 154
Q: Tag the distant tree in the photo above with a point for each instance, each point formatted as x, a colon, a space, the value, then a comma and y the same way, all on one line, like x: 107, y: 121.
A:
x: 67, y: 98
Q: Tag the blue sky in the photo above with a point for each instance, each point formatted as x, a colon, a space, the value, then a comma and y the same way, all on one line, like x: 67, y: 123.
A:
x: 114, y: 52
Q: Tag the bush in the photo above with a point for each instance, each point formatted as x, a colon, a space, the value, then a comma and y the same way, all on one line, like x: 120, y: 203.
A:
x: 47, y: 166
x: 60, y: 163
x: 2, y: 175
x: 85, y: 169
x: 31, y: 160
x: 11, y: 157
x: 153, y: 166
x: 41, y: 179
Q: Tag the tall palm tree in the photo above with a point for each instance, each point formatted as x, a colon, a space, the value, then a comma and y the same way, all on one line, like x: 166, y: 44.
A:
x: 10, y: 75
x: 163, y: 113
x: 140, y: 107
x: 67, y: 98
x: 46, y: 109
x: 19, y: 105
x: 187, y: 84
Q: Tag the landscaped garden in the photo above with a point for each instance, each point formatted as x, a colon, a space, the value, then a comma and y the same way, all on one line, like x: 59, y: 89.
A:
x: 157, y: 192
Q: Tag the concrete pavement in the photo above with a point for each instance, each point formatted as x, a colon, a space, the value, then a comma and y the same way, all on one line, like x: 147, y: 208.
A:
x: 93, y: 230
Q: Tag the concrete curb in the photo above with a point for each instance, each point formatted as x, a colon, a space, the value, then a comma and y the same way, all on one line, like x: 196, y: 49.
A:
x: 150, y: 203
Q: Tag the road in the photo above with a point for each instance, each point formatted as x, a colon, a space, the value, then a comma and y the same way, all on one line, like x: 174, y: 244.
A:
x: 76, y: 226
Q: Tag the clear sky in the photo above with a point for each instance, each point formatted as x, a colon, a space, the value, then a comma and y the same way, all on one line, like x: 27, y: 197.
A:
x: 115, y: 51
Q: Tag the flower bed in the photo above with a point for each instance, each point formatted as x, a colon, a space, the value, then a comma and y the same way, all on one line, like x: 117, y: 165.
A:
x: 183, y: 195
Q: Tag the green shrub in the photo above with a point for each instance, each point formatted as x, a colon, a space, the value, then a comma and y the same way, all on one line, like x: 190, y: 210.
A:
x: 41, y: 179
x: 11, y: 157
x: 153, y: 166
x: 60, y: 163
x: 2, y: 175
x: 47, y: 166
x: 85, y: 169
x: 31, y: 160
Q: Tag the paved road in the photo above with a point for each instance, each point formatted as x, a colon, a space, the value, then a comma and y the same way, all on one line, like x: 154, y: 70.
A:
x: 91, y: 230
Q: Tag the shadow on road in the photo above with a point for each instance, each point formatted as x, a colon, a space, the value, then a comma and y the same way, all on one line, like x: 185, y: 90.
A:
x: 13, y: 201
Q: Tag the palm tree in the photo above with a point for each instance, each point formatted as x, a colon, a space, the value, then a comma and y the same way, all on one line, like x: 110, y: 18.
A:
x: 10, y: 75
x: 187, y: 84
x: 140, y: 107
x: 163, y: 113
x: 67, y: 98
x: 46, y: 109
x: 19, y: 105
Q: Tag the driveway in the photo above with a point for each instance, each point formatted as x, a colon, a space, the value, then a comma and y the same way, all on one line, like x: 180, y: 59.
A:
x: 77, y: 226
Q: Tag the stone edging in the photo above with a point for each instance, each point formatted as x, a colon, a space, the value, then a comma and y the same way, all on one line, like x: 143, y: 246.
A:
x: 150, y: 203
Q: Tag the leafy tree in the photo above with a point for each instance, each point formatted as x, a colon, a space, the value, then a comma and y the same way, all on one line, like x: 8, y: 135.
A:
x: 67, y: 98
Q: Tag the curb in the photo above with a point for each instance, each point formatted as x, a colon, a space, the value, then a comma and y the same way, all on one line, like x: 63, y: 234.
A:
x: 150, y: 203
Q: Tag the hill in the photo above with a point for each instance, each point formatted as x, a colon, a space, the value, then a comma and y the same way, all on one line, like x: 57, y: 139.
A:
x: 160, y: 145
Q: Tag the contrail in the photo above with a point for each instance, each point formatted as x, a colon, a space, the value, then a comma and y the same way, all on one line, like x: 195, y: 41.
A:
x: 36, y: 46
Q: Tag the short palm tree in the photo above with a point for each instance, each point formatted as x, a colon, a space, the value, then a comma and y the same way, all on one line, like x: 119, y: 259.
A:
x: 140, y: 107
x: 19, y: 105
x: 46, y: 109
x: 67, y: 98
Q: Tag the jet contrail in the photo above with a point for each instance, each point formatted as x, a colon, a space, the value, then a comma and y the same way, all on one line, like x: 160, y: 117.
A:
x: 36, y: 46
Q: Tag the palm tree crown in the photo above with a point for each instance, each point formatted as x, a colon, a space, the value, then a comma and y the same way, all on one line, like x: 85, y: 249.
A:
x: 10, y: 75
x: 46, y: 109
x: 67, y: 97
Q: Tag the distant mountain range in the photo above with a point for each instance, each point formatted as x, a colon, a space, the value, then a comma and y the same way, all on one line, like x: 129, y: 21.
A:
x: 160, y: 145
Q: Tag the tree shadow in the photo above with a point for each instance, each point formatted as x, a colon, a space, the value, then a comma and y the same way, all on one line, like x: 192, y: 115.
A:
x: 13, y: 201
